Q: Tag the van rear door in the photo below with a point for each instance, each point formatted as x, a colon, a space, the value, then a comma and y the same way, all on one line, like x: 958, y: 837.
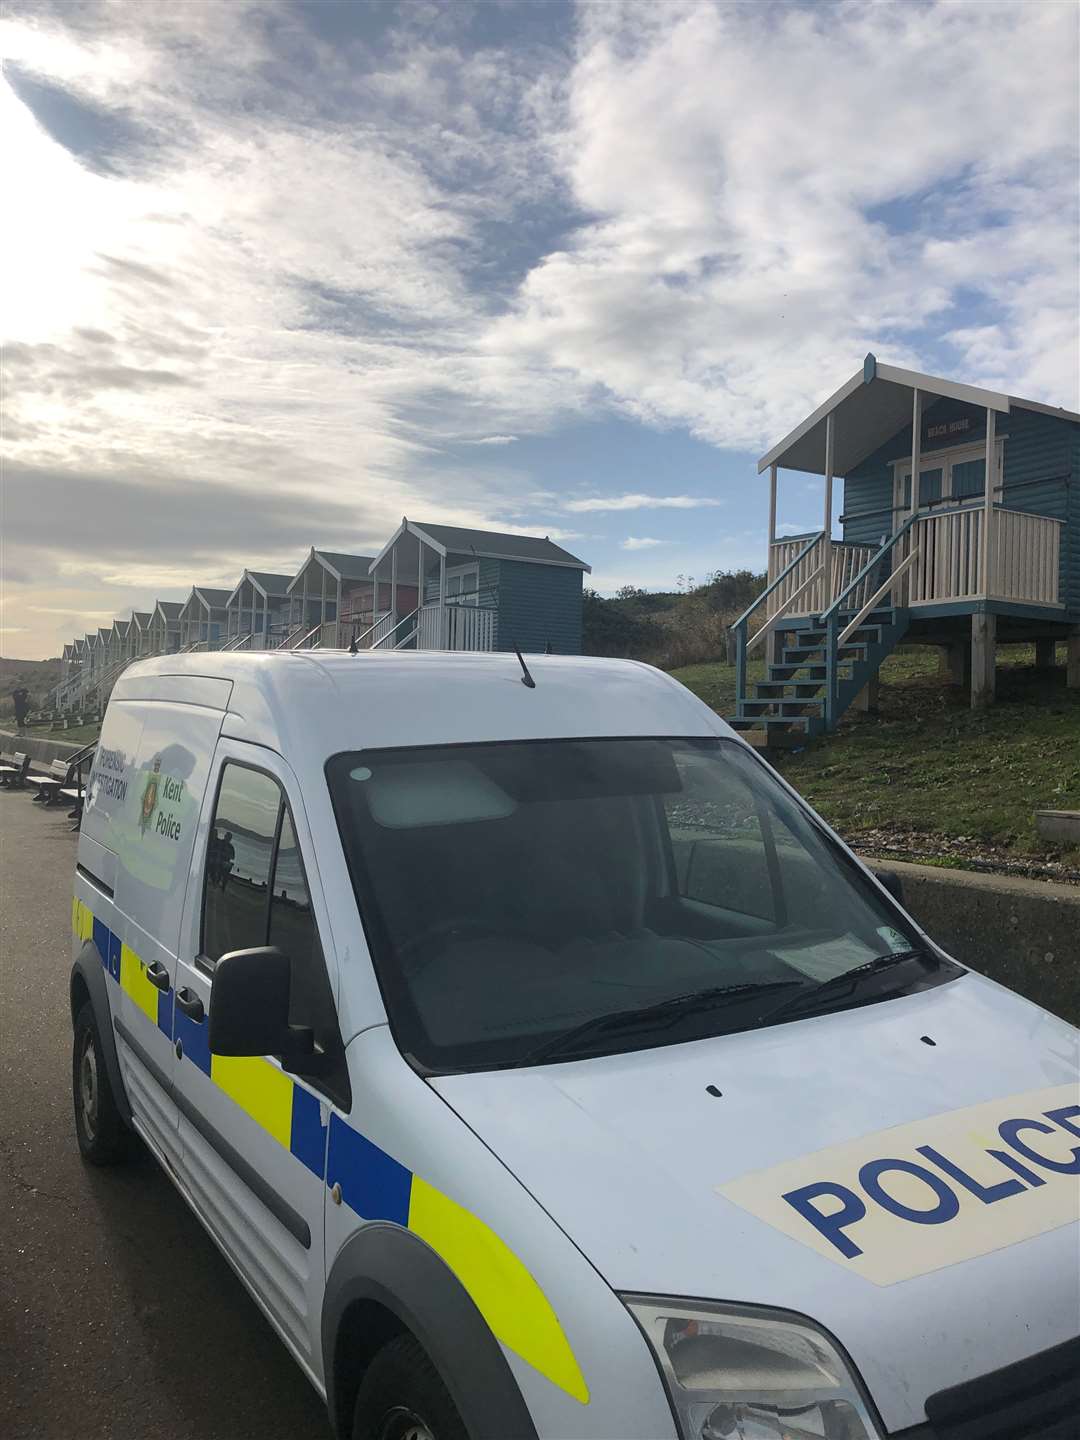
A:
x: 142, y: 808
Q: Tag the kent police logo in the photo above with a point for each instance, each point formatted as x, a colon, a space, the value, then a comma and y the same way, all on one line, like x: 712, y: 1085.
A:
x: 918, y: 1197
x: 149, y: 799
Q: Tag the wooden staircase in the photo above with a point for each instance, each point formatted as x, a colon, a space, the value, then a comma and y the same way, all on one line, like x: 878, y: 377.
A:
x: 790, y: 706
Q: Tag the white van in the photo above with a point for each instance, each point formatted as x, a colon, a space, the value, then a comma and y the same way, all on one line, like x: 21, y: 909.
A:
x: 545, y: 1068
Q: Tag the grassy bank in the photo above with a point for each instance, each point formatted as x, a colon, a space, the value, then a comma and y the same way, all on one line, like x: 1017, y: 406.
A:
x: 928, y: 775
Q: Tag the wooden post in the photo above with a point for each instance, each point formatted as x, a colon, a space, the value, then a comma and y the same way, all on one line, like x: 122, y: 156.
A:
x: 867, y: 698
x: 772, y: 507
x: 1044, y: 654
x: 1072, y: 659
x: 916, y: 447
x: 827, y: 541
x: 958, y: 662
x: 987, y: 586
x: 983, y: 659
x: 442, y: 601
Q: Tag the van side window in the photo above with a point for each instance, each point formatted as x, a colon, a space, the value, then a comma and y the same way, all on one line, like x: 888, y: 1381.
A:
x: 256, y: 893
x: 293, y: 931
x: 239, y: 857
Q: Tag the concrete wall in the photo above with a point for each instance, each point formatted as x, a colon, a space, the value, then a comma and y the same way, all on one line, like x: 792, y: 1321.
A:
x: 1023, y: 933
x: 41, y: 751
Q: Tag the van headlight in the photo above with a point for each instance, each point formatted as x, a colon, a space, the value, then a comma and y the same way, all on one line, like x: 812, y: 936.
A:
x: 745, y: 1374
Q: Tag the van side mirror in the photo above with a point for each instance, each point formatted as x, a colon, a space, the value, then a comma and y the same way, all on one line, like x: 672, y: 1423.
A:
x: 891, y: 881
x: 249, y: 1007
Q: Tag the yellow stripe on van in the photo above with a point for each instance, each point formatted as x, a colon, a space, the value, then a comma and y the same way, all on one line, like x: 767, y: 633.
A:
x: 136, y: 986
x: 516, y: 1309
x: 260, y: 1089
x: 82, y: 920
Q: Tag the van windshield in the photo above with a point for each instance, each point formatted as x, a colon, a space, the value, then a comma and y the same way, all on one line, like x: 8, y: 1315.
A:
x: 513, y: 893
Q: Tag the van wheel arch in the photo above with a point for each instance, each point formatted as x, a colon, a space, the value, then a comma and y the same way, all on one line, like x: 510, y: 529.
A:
x: 386, y: 1282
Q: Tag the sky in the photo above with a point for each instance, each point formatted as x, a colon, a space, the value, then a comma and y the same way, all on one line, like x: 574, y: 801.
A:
x: 279, y: 272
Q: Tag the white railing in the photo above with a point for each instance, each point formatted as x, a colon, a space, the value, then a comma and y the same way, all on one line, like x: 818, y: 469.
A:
x: 801, y: 583
x: 847, y: 560
x: 948, y: 565
x: 455, y: 627
x: 1024, y: 558
x: 806, y: 590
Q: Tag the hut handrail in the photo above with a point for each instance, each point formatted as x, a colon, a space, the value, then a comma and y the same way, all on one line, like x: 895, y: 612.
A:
x: 868, y: 568
x: 788, y: 568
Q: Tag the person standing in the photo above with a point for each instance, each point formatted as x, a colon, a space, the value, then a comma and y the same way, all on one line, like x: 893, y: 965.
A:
x: 21, y: 700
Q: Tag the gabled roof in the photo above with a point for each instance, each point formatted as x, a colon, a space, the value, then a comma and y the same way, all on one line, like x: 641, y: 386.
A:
x: 122, y: 627
x: 493, y: 544
x: 211, y: 599
x: 342, y: 567
x: 168, y: 609
x: 141, y: 618
x: 870, y: 408
x: 270, y: 585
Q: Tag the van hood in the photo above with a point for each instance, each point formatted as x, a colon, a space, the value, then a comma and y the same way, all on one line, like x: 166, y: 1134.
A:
x: 753, y: 1195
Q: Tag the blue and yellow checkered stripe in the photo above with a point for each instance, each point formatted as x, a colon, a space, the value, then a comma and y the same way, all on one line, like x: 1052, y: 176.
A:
x: 373, y: 1184
x: 125, y: 967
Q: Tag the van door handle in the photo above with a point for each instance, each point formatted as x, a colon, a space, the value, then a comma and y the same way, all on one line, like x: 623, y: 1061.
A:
x: 158, y: 975
x: 190, y: 1004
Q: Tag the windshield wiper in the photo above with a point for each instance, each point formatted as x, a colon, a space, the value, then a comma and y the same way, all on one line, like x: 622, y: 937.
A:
x: 842, y: 986
x: 662, y: 1011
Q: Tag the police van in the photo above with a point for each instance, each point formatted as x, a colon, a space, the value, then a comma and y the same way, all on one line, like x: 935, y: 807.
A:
x: 544, y: 1067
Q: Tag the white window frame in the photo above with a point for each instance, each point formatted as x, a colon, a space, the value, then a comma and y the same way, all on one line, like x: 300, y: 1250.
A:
x: 944, y: 460
x: 473, y: 597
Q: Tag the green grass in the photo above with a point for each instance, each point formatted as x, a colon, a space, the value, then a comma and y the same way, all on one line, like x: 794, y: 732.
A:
x: 928, y: 772
x: 75, y: 734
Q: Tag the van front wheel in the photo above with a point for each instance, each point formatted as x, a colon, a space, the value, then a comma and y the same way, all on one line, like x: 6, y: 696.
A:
x: 402, y: 1397
x: 99, y: 1127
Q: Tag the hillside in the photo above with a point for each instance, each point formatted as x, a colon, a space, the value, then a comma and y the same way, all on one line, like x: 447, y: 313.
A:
x: 37, y: 676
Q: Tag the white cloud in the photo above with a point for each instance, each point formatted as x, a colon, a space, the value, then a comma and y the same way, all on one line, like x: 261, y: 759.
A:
x: 495, y: 440
x: 641, y: 502
x: 736, y: 160
x: 641, y: 542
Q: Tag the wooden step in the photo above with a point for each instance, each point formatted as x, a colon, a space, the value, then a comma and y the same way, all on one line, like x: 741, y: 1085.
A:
x: 813, y: 671
x: 851, y: 651
x: 775, y: 689
x: 779, y: 709
x: 765, y: 722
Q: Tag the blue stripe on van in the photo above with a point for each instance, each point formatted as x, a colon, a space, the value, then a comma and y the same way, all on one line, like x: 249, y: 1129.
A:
x: 372, y: 1182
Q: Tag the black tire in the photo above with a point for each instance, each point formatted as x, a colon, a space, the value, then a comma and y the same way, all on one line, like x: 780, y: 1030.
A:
x: 103, y: 1137
x: 402, y: 1397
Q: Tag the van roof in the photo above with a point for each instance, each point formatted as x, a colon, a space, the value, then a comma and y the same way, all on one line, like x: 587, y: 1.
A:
x: 317, y: 703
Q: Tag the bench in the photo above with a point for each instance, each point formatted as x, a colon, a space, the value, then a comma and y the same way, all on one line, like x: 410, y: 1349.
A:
x: 49, y: 785
x: 74, y: 790
x: 13, y: 769
x: 74, y: 794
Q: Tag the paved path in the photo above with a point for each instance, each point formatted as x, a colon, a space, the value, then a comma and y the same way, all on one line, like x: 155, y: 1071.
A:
x: 118, y: 1316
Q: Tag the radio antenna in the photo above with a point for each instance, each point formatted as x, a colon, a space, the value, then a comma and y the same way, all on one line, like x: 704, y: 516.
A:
x: 526, y: 678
